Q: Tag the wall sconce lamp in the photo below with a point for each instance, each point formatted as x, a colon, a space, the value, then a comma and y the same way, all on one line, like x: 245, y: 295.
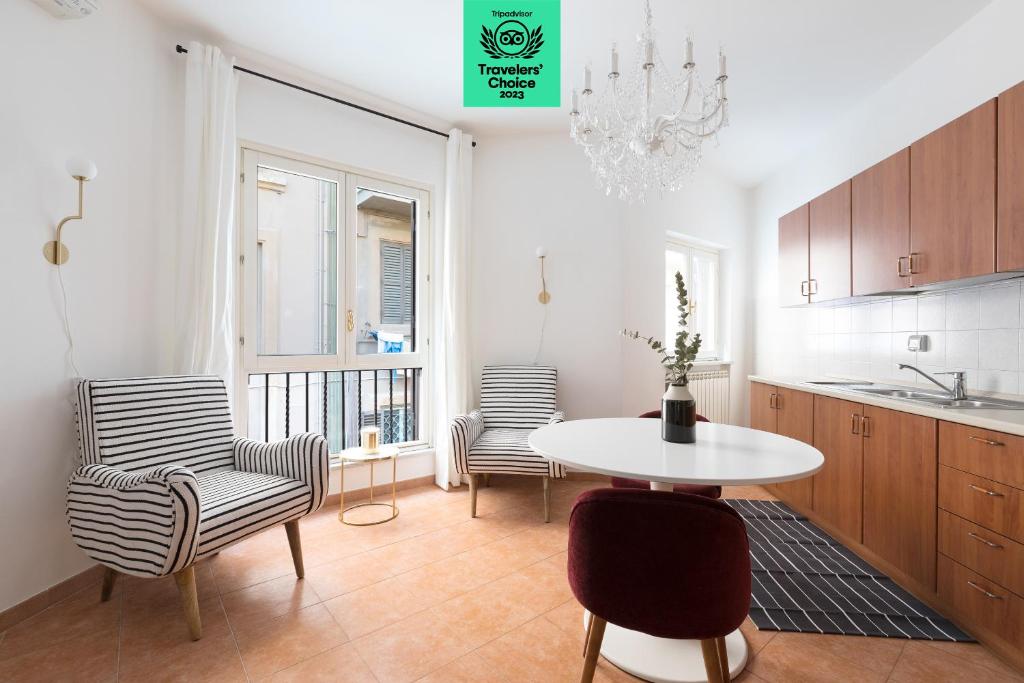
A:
x: 81, y: 170
x: 544, y: 297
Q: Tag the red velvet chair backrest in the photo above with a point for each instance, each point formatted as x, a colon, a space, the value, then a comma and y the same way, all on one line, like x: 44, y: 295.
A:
x: 672, y: 565
x: 657, y: 415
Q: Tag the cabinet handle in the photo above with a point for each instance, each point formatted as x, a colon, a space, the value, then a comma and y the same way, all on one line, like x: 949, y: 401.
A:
x: 855, y: 423
x: 771, y: 401
x: 987, y: 492
x: 899, y: 266
x: 778, y: 401
x: 987, y: 442
x: 804, y: 288
x: 987, y: 542
x: 982, y: 590
x: 812, y: 286
x: 910, y: 259
x: 865, y: 426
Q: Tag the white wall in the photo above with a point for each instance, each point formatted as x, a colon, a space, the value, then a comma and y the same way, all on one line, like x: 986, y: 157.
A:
x: 107, y: 87
x: 976, y: 62
x: 605, y: 270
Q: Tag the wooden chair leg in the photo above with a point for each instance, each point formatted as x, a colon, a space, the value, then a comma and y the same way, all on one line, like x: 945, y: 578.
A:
x: 547, y: 499
x: 487, y: 480
x: 474, y: 480
x: 186, y: 580
x: 594, y: 640
x: 709, y: 649
x: 109, y: 577
x: 586, y: 638
x: 723, y: 657
x: 295, y: 543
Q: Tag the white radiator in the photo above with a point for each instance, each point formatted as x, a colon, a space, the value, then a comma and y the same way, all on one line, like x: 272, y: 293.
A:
x: 710, y: 388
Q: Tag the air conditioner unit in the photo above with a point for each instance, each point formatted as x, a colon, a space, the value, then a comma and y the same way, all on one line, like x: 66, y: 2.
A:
x: 69, y: 9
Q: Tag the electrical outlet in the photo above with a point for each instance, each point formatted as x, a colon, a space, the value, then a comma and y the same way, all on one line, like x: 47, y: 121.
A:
x: 917, y: 342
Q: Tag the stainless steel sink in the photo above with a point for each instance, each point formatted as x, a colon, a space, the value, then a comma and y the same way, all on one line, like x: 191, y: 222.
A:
x: 932, y: 398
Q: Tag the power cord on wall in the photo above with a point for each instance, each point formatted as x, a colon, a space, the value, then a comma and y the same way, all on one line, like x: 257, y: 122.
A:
x: 67, y: 322
x: 540, y: 341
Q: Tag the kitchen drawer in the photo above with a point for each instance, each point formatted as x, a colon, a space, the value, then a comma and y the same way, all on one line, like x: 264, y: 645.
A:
x: 993, y: 455
x: 982, y: 603
x: 982, y: 501
x: 993, y: 556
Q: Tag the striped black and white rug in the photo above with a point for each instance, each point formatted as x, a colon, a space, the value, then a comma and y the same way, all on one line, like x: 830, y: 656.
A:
x: 806, y: 581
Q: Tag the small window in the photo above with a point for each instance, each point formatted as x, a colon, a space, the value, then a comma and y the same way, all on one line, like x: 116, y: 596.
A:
x: 700, y: 269
x: 395, y: 283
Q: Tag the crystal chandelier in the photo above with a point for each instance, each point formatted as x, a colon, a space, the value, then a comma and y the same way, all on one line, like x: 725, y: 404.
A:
x: 645, y: 130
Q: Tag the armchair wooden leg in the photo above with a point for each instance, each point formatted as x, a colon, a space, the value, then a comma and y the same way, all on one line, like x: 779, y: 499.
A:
x: 295, y: 543
x: 109, y: 577
x: 594, y: 640
x: 709, y: 648
x: 487, y: 480
x: 474, y: 480
x: 547, y: 499
x: 723, y: 658
x: 186, y: 580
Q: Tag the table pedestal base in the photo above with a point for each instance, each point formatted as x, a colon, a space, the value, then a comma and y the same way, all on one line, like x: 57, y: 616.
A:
x: 664, y: 660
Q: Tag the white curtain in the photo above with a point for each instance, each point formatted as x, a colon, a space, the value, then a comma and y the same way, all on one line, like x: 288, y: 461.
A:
x: 452, y: 385
x: 207, y: 250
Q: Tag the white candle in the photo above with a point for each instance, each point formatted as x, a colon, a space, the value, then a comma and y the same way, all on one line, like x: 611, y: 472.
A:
x: 721, y: 63
x: 575, y: 100
x: 689, y: 50
x: 650, y: 52
x: 586, y: 78
x: 615, y: 59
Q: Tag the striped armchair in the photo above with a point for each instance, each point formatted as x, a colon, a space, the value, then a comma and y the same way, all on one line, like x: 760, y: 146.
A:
x: 514, y: 401
x: 161, y: 481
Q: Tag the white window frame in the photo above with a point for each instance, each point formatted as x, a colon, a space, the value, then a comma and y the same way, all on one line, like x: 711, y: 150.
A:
x: 349, y: 178
x: 688, y: 248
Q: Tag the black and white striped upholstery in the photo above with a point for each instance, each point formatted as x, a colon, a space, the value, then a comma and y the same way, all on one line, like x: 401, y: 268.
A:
x: 514, y: 401
x: 162, y: 481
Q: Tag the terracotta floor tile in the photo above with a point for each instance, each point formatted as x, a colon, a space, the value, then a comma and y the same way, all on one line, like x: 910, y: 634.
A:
x: 411, y: 649
x: 268, y: 599
x: 471, y: 668
x: 341, y: 664
x: 345, y: 575
x: 287, y: 640
x: 486, y: 613
x: 569, y: 617
x: 756, y: 638
x: 792, y: 657
x: 373, y: 607
x: 974, y: 653
x: 546, y: 587
x: 89, y: 657
x: 213, y: 658
x: 922, y: 663
x: 79, y: 615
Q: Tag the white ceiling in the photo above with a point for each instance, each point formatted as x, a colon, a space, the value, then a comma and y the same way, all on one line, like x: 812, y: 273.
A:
x: 795, y: 66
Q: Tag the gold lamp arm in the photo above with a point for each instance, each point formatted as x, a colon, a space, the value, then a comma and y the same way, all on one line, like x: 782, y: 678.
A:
x: 55, y: 251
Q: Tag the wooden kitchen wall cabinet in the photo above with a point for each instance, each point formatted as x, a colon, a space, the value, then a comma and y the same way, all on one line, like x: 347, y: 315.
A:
x: 953, y: 199
x: 1010, y: 188
x: 829, y: 245
x: 900, y: 472
x: 880, y: 226
x: 794, y: 233
x: 838, y: 486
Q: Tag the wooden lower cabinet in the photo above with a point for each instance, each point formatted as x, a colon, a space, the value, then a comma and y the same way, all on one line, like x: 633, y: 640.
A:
x: 838, y: 486
x: 762, y: 407
x: 795, y: 410
x: 900, y: 471
x: 984, y: 606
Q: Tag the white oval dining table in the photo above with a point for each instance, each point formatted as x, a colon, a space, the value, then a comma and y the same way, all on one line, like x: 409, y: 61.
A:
x: 723, y: 455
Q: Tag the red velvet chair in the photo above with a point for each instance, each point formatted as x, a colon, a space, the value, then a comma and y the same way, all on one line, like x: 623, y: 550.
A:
x: 706, y: 490
x: 672, y: 565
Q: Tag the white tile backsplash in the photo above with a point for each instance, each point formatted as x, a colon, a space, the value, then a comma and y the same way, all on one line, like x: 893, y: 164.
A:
x: 976, y: 329
x: 1000, y: 307
x: 998, y: 349
x: 963, y: 310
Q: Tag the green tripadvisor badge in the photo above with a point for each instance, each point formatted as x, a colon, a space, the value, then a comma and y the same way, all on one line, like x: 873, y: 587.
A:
x: 511, y: 53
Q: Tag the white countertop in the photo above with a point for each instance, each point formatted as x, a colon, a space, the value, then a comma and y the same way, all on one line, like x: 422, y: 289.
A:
x: 632, y: 447
x: 1009, y: 421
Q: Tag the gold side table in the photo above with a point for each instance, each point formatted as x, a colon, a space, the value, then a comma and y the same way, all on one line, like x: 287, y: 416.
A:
x: 358, y: 455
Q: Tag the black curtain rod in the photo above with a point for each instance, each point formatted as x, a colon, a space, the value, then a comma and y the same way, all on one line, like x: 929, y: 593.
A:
x: 294, y: 86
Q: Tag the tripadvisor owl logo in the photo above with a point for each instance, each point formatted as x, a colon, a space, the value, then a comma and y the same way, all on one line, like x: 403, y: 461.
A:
x: 511, y: 53
x: 511, y: 39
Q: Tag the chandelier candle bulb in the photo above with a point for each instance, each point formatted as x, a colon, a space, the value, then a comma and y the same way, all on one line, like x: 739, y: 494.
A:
x: 649, y: 53
x: 721, y: 64
x: 689, y: 52
x: 586, y: 80
x: 615, y: 61
x: 575, y: 100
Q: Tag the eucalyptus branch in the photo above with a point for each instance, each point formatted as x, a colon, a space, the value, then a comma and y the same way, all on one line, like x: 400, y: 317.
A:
x: 678, y: 365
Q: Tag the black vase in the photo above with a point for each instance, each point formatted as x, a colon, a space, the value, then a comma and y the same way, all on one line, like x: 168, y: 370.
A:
x: 678, y: 415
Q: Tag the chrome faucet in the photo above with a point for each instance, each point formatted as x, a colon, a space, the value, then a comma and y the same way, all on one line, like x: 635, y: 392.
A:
x: 957, y: 392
